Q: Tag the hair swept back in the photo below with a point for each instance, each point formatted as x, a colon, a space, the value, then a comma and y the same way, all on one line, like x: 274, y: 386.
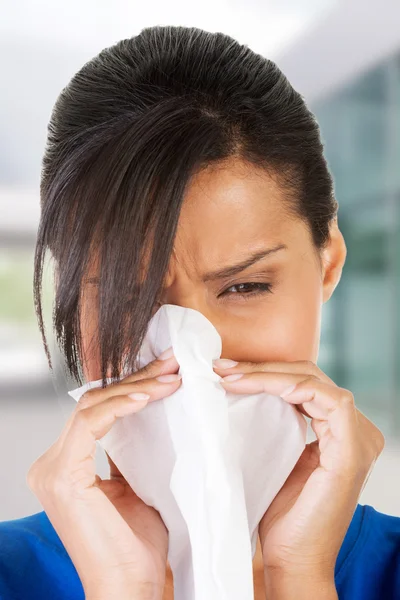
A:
x: 125, y: 137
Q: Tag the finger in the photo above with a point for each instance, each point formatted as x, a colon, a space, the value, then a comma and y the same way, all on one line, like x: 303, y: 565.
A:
x: 259, y: 382
x: 300, y: 367
x: 321, y: 401
x: 148, y: 386
x: 165, y: 363
x: 256, y: 382
x: 154, y: 388
x: 277, y: 384
x: 91, y: 424
x: 319, y: 427
x: 74, y: 450
x: 331, y: 409
x: 321, y: 430
x: 325, y: 402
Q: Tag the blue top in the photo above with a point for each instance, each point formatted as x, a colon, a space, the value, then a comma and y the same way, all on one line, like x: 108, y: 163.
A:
x: 34, y: 564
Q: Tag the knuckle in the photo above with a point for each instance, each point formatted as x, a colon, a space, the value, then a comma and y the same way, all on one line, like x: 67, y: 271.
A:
x: 143, y: 373
x: 86, y: 399
x: 310, y: 364
x: 313, y: 377
x: 37, y: 468
x: 310, y: 379
x: 309, y: 367
x: 82, y: 415
x: 346, y: 397
x: 312, y: 369
x: 380, y: 440
x: 32, y: 476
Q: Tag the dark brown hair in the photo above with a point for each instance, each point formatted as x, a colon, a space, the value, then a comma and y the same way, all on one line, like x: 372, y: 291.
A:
x: 125, y: 137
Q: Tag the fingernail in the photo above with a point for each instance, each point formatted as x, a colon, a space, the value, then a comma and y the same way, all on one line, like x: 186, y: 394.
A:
x: 139, y: 396
x: 288, y: 391
x: 224, y: 363
x: 232, y: 377
x: 169, y: 378
x: 166, y: 354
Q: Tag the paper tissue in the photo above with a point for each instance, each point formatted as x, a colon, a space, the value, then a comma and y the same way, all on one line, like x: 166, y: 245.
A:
x: 210, y: 462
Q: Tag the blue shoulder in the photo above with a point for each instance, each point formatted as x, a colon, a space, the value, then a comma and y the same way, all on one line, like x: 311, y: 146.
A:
x: 368, y: 565
x: 34, y: 563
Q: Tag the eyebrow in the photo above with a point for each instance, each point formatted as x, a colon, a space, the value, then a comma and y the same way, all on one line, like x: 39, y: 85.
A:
x: 231, y: 270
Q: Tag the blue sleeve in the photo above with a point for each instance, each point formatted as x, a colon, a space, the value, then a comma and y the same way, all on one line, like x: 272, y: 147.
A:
x: 368, y: 566
x: 34, y: 564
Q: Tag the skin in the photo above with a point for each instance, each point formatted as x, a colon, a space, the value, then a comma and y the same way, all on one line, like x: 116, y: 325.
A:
x: 229, y: 213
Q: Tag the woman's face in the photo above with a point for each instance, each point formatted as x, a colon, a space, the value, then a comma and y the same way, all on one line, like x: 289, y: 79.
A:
x: 267, y: 311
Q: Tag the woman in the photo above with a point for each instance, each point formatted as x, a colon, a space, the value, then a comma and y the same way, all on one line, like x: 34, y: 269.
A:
x: 183, y: 168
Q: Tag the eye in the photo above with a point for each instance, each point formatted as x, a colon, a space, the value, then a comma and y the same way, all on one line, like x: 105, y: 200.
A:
x: 249, y: 289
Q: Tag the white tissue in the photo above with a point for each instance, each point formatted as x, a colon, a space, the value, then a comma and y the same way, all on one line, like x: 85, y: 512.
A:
x: 210, y: 462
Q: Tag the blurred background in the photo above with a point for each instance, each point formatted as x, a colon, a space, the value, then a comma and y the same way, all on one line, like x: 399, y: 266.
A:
x: 344, y: 58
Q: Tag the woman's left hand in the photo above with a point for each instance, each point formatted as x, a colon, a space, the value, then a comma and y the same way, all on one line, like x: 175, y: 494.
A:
x: 303, y: 529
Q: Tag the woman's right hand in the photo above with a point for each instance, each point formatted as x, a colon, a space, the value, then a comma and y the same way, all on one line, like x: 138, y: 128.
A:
x: 116, y: 542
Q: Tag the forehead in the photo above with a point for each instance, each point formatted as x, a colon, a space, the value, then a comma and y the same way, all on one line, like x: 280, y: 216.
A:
x: 229, y: 211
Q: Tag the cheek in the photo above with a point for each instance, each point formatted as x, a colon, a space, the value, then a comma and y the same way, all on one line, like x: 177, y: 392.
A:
x: 293, y: 334
x: 294, y: 327
x: 285, y: 328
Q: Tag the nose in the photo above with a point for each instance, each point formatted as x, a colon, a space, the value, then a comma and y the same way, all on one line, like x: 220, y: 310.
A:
x: 195, y: 299
x: 187, y: 295
x: 199, y: 307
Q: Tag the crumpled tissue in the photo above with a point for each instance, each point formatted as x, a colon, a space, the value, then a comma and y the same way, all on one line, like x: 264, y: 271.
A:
x: 210, y: 462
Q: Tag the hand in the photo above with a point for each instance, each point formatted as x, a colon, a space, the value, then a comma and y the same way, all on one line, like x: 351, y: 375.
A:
x: 117, y: 543
x: 303, y: 529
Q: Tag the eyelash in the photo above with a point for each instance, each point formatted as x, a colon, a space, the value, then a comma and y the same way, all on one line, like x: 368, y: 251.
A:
x: 259, y: 289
